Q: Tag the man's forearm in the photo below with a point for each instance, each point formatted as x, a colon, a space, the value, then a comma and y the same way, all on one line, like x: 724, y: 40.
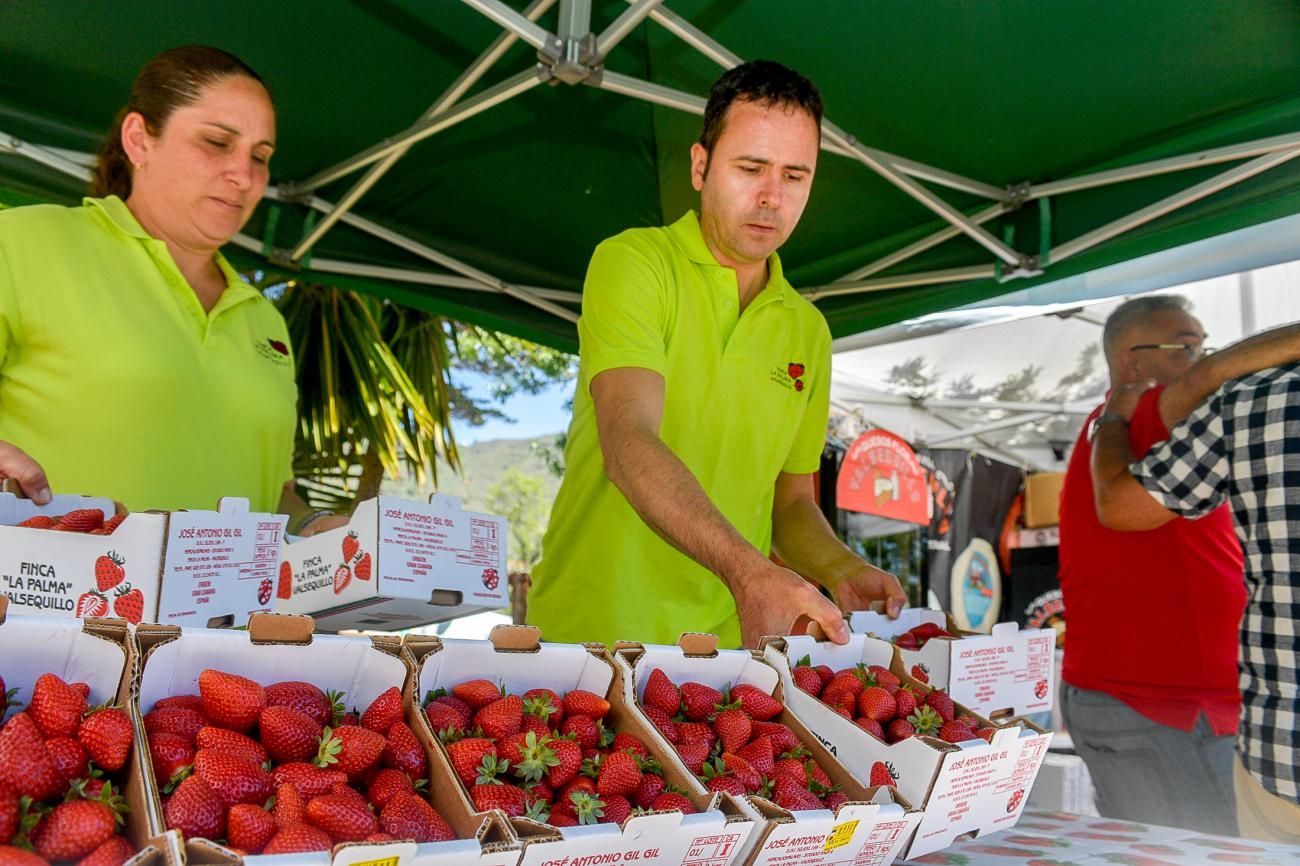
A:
x: 1271, y: 348
x: 1120, y: 499
x: 805, y: 542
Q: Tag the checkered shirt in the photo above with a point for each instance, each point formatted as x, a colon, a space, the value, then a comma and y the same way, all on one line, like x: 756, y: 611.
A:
x: 1242, y: 446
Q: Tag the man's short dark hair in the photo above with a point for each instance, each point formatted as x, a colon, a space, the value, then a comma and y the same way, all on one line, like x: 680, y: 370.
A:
x: 765, y: 82
x: 1136, y: 311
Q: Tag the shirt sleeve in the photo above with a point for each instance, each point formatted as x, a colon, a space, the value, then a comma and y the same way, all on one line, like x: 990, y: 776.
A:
x: 1189, y: 472
x: 810, y: 440
x: 624, y: 311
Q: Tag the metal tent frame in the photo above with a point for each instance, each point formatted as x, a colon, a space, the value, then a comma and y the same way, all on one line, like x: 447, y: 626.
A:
x: 575, y: 54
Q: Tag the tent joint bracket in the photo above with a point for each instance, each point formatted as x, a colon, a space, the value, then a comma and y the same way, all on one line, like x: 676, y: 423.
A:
x: 1028, y: 268
x: 1018, y: 194
x: 283, y: 257
x: 573, y: 61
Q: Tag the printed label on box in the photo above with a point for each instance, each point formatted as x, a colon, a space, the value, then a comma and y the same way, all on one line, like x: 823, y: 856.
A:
x: 711, y: 850
x: 413, y: 534
x: 1009, y: 670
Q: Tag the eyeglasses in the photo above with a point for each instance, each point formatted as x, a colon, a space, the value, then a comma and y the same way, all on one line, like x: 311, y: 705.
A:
x: 1193, y: 351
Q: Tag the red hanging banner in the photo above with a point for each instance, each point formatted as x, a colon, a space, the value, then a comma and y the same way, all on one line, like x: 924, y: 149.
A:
x: 880, y: 475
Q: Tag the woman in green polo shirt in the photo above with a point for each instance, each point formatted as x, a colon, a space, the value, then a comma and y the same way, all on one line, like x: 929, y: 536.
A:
x: 135, y: 363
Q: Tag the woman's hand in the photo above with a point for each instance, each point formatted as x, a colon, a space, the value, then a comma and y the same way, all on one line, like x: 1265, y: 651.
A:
x: 17, y: 466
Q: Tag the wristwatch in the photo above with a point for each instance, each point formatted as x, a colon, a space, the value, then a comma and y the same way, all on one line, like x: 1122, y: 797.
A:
x: 1105, y: 418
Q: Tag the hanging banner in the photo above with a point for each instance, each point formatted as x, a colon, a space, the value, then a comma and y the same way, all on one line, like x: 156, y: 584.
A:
x: 881, y: 476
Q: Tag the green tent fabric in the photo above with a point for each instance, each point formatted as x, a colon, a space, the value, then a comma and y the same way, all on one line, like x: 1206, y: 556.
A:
x: 1004, y: 91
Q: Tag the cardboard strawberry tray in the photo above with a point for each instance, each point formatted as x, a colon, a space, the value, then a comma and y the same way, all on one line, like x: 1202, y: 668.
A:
x: 77, y: 557
x: 1008, y: 672
x: 59, y: 747
x: 582, y: 780
x: 967, y: 778
x: 397, y: 564
x: 348, y: 781
x: 816, y: 812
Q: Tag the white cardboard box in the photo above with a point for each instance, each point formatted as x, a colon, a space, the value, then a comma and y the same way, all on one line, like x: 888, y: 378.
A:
x: 1008, y: 672
x: 183, y: 568
x: 966, y: 787
x: 397, y: 564
x: 276, y: 648
x: 514, y: 655
x: 1063, y: 785
x: 872, y: 829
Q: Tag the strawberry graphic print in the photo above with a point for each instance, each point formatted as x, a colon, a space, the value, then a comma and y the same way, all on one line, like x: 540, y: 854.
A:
x: 790, y: 376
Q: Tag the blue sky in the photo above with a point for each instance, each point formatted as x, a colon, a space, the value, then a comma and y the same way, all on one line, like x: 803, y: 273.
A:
x: 534, y: 415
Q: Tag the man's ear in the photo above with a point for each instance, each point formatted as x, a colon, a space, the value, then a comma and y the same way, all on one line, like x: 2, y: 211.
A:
x: 699, y: 165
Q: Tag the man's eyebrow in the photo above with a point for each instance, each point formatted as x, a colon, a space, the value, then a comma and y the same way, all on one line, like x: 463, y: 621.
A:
x: 233, y: 131
x: 762, y: 161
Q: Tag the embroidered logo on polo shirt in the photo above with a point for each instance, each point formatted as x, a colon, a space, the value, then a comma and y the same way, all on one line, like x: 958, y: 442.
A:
x: 791, y: 376
x: 274, y: 351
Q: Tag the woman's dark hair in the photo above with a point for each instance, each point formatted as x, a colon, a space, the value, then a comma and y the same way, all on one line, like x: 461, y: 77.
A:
x: 174, y: 79
x: 762, y: 81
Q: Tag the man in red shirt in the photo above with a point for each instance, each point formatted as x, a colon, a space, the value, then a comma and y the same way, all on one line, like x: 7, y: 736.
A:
x: 1150, y: 697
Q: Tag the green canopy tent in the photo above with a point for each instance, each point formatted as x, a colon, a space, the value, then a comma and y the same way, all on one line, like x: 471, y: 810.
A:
x: 466, y: 157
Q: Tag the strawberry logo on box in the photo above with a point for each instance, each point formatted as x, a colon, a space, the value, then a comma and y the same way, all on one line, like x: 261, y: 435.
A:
x: 491, y: 579
x: 1040, y: 689
x: 342, y: 577
x: 91, y: 604
x: 1014, y: 802
x: 109, y: 571
x: 284, y: 586
x: 129, y: 603
x: 264, y: 591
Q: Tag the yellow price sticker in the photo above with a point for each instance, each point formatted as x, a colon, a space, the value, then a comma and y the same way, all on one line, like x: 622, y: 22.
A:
x: 384, y: 861
x: 841, y: 835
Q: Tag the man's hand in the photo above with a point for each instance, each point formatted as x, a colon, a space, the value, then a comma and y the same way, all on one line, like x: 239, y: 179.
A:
x: 770, y: 599
x: 15, y: 465
x: 1124, y: 399
x: 859, y: 590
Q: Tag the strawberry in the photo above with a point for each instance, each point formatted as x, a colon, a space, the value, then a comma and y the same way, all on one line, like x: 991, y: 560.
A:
x: 74, y: 829
x: 568, y: 755
x: 760, y: 754
x: 501, y: 718
x: 699, y: 701
x: 55, y: 707
x: 386, y: 783
x: 876, y: 703
x: 955, y: 732
x: 115, y: 851
x: 239, y: 745
x: 617, y: 810
x: 900, y: 729
x: 232, y: 778
x: 845, y: 681
x: 12, y: 856
x: 249, y: 827
x: 921, y: 672
x: 351, y: 544
x: 693, y: 755
x: 925, y: 721
x: 689, y: 732
x: 619, y: 774
x: 794, y: 798
x: 663, y: 722
x: 584, y: 703
x: 883, y: 773
x: 466, y: 755
x: 871, y: 726
x: 111, y: 525
x: 306, y: 698
x: 835, y: 799
x: 742, y: 770
x: 535, y: 725
x: 109, y: 571
x: 650, y: 788
x: 671, y: 801
x: 942, y: 704
x: 584, y: 730
x: 734, y: 729
x: 350, y: 749
x: 196, y: 810
x: 806, y: 678
x: 284, y: 581
x: 298, y: 839
x: 82, y: 520
x: 443, y: 718
x: 410, y: 817
x: 783, y: 739
x: 169, y: 754
x: 661, y: 692
x: 230, y: 700
x: 39, y: 521
x: 403, y: 751
x: 11, y: 814
x: 107, y: 735
x: 188, y: 702
x: 342, y: 817
x: 884, y: 677
x: 69, y: 758
x: 757, y: 704
x: 384, y: 711
x: 985, y: 734
x: 290, y: 805
x: 725, y: 785
x: 544, y: 704
x: 510, y: 799
x: 128, y: 603
x: 342, y: 577
x: 363, y: 568
x: 905, y: 703
x: 478, y: 693
x: 91, y: 604
x: 625, y: 742
x: 287, y: 734
x: 174, y: 720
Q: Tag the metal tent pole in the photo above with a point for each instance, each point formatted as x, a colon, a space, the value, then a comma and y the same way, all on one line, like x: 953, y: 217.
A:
x: 923, y: 278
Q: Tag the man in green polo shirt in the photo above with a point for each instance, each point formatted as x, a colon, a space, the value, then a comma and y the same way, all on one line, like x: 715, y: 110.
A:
x: 700, y: 415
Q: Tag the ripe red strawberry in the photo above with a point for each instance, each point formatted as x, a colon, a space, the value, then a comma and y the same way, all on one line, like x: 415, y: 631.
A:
x: 625, y: 742
x: 128, y: 603
x: 942, y: 704
x: 115, y: 851
x: 386, y: 783
x: 544, y: 704
x: 363, y: 568
x: 249, y: 828
x: 693, y: 755
x: 196, y: 810
x: 619, y: 774
x: 69, y: 757
x: 921, y: 672
x: 661, y: 692
x: 342, y: 817
x: 231, y: 743
x: 404, y: 752
x: 650, y: 788
x: 536, y: 725
x: 807, y: 679
x: 82, y: 520
x: 734, y: 728
x: 442, y: 718
x: 284, y: 582
x: 699, y: 701
x: 742, y: 770
x: 466, y: 755
x: 11, y: 813
x: 502, y: 718
x: 760, y: 754
x: 175, y: 720
x: 871, y: 726
x: 169, y: 754
x: 840, y: 698
x: 304, y: 697
x: 670, y: 801
x: 845, y: 680
x: 187, y: 702
x: 288, y: 735
x: 900, y: 729
x: 783, y: 739
x: 383, y: 710
x: 478, y: 693
x: 884, y: 677
x: 351, y: 544
x: 905, y: 703
x: 956, y: 732
x: 585, y: 731
x: 298, y: 839
x: 510, y: 799
x: 661, y: 720
x: 111, y: 525
x: 925, y: 721
x: 107, y: 735
x: 232, y: 778
x: 290, y: 805
x: 408, y: 816
x: 876, y: 703
x: 569, y: 756
x: 74, y: 829
x: 794, y: 798
x: 350, y: 749
x: 726, y: 785
x: 310, y: 780
x: 835, y: 799
x: 616, y: 810
x: 230, y: 700
x: 985, y: 734
x: 55, y: 707
x: 39, y: 521
x: 584, y: 703
x: 688, y: 732
x: 91, y: 604
x: 342, y: 577
x: 757, y: 704
x: 883, y: 773
x: 109, y: 571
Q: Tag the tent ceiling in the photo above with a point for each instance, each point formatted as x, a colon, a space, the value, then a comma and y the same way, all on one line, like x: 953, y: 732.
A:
x: 987, y: 109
